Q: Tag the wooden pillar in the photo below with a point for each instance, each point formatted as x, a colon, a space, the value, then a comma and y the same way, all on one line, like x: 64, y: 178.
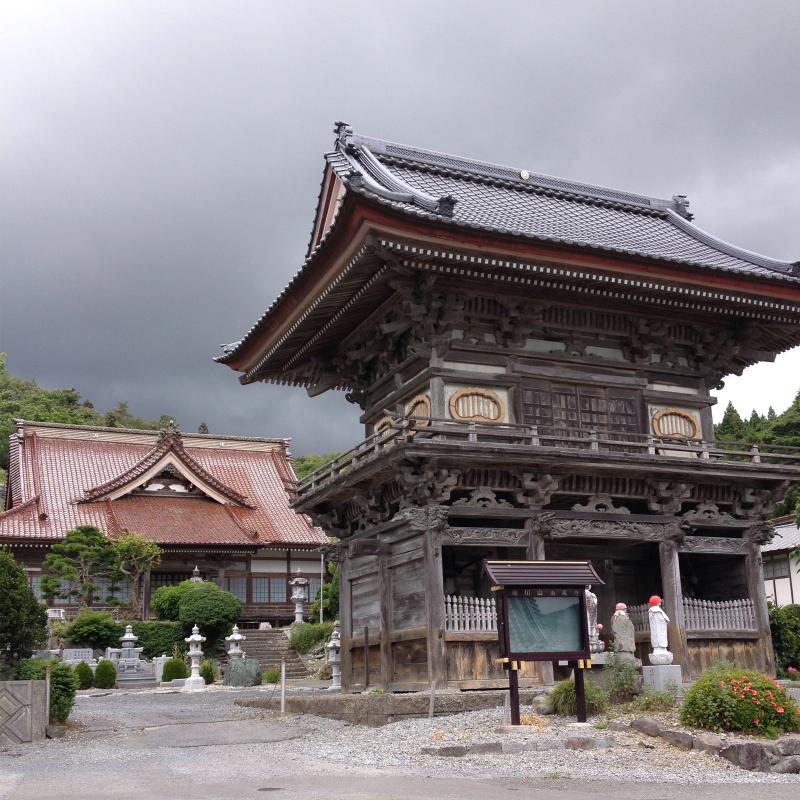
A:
x: 345, y: 621
x: 438, y: 409
x: 385, y: 597
x: 758, y: 595
x: 673, y: 600
x: 434, y: 607
x: 146, y: 595
x: 535, y: 552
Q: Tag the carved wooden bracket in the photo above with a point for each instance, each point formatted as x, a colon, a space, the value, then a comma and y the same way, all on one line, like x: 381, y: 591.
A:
x: 537, y: 490
x: 601, y: 503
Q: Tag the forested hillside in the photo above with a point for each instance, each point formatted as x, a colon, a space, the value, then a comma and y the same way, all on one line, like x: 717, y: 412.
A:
x: 25, y: 399
x: 778, y: 429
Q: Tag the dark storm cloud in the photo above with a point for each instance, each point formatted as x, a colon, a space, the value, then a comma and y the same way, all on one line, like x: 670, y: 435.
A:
x: 159, y: 163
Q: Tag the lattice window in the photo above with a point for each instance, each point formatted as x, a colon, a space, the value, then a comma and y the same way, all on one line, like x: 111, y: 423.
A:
x: 777, y: 567
x: 586, y: 408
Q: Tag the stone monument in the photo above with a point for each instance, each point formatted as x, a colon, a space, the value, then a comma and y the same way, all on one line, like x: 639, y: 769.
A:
x: 596, y: 645
x: 299, y: 595
x: 662, y: 671
x: 132, y: 670
x: 624, y: 633
x: 195, y: 683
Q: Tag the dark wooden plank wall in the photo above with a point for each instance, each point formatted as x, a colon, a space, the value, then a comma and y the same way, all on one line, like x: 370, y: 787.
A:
x: 703, y: 653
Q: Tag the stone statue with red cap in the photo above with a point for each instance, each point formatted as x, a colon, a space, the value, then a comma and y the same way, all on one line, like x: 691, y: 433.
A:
x: 658, y: 632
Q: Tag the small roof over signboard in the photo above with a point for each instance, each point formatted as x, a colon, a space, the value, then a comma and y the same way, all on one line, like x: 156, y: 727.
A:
x: 542, y: 573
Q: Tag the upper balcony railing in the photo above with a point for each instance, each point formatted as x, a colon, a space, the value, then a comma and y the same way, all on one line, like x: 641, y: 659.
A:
x: 569, y: 441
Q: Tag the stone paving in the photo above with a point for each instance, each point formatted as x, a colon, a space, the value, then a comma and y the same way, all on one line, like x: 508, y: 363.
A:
x: 156, y: 744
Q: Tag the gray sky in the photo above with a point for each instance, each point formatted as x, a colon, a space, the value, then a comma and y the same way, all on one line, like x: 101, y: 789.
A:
x: 160, y: 162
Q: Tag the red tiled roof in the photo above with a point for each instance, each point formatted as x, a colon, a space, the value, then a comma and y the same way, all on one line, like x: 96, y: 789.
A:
x: 59, y: 463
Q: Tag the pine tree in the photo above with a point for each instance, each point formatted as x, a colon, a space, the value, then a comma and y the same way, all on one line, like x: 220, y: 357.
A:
x: 203, y: 428
x: 76, y: 564
x: 732, y: 425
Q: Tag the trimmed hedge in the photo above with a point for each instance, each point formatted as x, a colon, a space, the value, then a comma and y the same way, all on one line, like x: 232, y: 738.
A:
x: 174, y: 668
x: 105, y: 675
x: 159, y: 638
x: 735, y: 699
x: 95, y: 629
x: 84, y: 675
x: 565, y: 703
x: 63, y: 683
x: 305, y: 635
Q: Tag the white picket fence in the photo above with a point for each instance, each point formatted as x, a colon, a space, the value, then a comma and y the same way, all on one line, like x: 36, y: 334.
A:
x: 470, y: 613
x: 704, y: 615
x: 724, y: 615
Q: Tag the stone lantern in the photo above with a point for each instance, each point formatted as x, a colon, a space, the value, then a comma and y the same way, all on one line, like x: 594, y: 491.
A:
x: 235, y: 640
x: 334, y: 648
x: 196, y: 575
x: 195, y: 683
x: 299, y: 595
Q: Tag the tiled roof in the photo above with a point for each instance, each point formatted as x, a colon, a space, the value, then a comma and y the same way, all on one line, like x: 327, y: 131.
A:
x: 59, y: 463
x: 498, y: 199
x: 473, y: 195
x: 787, y: 535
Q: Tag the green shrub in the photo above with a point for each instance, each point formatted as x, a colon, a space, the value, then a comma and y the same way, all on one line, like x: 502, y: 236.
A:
x: 272, y: 675
x: 650, y: 700
x: 105, y: 675
x: 565, y: 704
x: 84, y: 675
x: 63, y: 683
x: 212, y: 609
x: 95, y: 629
x: 784, y: 622
x: 174, y: 668
x: 166, y: 600
x: 328, y: 595
x: 207, y: 671
x: 734, y: 699
x: 306, y: 635
x: 622, y: 678
x: 23, y: 620
x: 159, y: 638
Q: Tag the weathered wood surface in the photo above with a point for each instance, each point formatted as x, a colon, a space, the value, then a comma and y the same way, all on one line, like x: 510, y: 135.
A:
x: 703, y: 653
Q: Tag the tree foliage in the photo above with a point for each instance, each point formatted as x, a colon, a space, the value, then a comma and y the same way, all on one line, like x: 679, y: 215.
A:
x: 328, y: 595
x: 95, y: 629
x: 305, y: 465
x: 23, y: 620
x: 212, y: 609
x: 136, y: 555
x: 76, y: 564
x: 771, y: 429
x: 25, y: 399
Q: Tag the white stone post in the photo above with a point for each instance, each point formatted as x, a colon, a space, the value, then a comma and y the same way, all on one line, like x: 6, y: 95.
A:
x: 195, y: 683
x: 299, y: 595
x: 235, y: 640
x: 334, y: 648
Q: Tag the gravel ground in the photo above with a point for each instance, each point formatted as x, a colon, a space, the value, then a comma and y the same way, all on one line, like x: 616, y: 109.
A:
x: 127, y: 733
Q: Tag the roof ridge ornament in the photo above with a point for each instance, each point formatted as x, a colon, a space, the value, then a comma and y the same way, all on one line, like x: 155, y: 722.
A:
x: 682, y: 206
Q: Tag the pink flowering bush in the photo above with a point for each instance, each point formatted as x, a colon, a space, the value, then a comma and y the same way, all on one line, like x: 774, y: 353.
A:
x: 733, y: 699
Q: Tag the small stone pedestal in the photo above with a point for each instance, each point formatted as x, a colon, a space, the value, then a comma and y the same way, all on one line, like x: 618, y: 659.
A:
x: 659, y: 677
